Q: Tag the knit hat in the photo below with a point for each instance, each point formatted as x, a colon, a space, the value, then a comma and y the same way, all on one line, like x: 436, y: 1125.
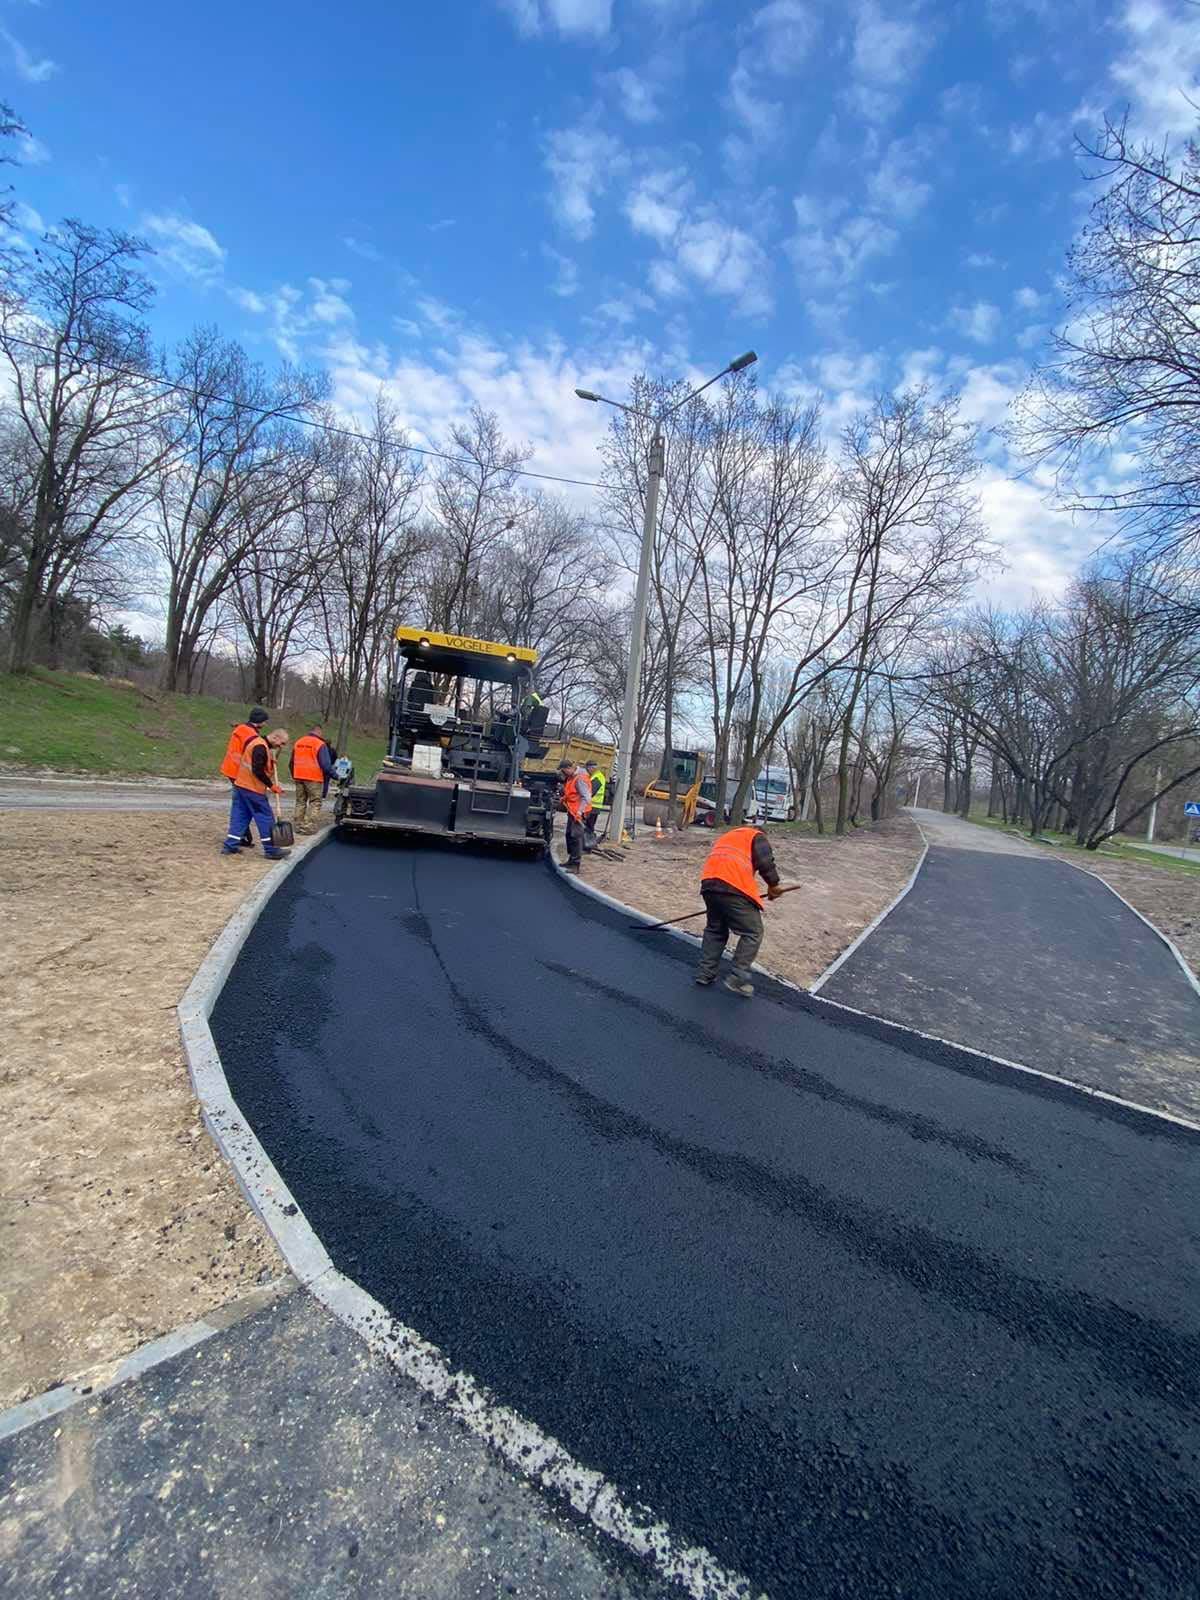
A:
x: 257, y: 717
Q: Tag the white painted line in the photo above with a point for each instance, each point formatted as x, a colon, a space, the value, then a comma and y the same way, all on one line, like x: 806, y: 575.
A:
x: 902, y: 1029
x: 527, y: 1450
x: 872, y: 925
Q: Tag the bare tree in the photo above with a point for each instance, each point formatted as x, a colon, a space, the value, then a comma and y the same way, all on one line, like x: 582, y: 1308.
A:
x: 80, y: 365
x: 1125, y: 369
x: 475, y: 504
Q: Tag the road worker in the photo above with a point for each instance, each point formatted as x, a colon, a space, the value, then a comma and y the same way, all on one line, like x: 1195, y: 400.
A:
x: 256, y: 779
x: 599, y: 785
x: 577, y: 799
x: 734, y: 904
x: 241, y: 736
x: 311, y: 767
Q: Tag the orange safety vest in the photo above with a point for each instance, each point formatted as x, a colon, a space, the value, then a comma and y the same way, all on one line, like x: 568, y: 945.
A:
x: 305, y: 766
x: 731, y: 860
x: 573, y: 796
x: 245, y: 778
x: 238, y: 739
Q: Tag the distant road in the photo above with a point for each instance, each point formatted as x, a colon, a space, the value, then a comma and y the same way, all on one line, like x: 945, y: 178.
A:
x: 20, y: 793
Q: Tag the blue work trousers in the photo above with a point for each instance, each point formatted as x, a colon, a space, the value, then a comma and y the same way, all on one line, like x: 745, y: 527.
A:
x: 249, y: 806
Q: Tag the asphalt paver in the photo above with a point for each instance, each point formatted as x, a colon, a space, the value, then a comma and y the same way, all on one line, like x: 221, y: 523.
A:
x: 281, y: 1459
x: 861, y: 1319
x: 1035, y: 961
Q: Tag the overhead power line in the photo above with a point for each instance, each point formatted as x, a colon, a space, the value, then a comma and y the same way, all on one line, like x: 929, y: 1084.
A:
x: 167, y: 386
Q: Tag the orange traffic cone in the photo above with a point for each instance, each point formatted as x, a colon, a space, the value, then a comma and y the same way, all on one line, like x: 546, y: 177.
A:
x: 658, y: 828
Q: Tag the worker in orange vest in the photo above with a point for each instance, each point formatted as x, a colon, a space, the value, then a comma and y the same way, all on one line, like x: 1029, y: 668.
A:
x: 311, y: 767
x: 577, y: 798
x: 734, y: 904
x: 256, y: 780
x: 241, y: 736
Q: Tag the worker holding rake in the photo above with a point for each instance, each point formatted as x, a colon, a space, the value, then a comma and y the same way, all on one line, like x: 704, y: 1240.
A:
x: 734, y: 905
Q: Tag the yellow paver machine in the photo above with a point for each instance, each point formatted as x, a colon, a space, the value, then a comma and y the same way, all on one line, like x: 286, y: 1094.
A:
x: 463, y: 721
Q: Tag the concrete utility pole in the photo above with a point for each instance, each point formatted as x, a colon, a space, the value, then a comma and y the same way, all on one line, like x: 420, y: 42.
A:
x: 1153, y: 823
x: 656, y: 468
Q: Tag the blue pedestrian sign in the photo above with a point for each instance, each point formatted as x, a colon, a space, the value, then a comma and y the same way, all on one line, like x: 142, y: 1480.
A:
x: 1191, y: 808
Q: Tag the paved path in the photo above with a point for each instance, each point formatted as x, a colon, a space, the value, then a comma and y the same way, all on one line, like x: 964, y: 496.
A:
x: 279, y: 1459
x: 862, y: 1322
x: 1003, y: 948
x: 82, y: 794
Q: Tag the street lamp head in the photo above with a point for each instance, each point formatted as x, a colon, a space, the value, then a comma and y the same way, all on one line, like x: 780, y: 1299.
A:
x: 742, y: 362
x: 586, y: 394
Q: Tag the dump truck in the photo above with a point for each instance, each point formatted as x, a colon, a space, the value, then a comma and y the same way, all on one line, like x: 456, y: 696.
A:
x: 462, y: 724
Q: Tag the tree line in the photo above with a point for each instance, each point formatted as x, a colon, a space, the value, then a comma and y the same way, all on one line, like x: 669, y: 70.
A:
x: 810, y: 595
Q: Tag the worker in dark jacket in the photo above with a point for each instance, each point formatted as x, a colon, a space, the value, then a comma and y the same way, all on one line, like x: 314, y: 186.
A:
x: 238, y: 740
x: 256, y: 780
x: 599, y: 785
x: 734, y: 905
x: 577, y: 802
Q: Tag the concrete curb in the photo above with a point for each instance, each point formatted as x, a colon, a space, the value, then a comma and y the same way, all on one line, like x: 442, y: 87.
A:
x: 898, y: 1033
x: 101, y: 1379
x: 839, y: 961
x: 529, y: 1451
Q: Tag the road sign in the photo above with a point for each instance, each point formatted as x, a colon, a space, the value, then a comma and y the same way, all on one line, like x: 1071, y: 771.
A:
x: 1191, y: 808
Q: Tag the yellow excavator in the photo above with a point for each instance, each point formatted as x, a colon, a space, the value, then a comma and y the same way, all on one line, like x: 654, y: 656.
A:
x: 688, y: 766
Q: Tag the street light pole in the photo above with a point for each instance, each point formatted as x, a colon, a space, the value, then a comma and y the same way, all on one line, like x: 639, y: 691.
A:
x: 656, y: 470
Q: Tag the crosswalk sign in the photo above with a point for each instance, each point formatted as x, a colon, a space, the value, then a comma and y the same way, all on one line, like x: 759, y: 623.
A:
x: 1191, y: 808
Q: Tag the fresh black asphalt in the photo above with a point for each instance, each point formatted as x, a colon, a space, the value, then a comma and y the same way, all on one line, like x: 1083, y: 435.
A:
x: 1037, y: 962
x: 861, y: 1321
x: 280, y: 1461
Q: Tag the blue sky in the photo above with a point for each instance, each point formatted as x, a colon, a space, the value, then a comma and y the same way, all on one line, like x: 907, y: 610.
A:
x: 495, y: 201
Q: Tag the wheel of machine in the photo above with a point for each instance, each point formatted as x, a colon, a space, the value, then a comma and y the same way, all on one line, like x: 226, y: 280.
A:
x: 654, y: 812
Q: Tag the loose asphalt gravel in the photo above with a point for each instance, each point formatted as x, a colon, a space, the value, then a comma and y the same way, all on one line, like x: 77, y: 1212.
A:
x: 861, y: 1320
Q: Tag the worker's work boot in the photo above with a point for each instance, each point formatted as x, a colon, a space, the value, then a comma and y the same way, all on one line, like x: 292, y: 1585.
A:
x: 274, y: 853
x: 703, y: 979
x: 737, y: 984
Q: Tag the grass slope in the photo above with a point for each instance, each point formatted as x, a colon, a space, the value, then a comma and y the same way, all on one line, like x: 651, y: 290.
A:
x: 76, y: 723
x: 1111, y: 849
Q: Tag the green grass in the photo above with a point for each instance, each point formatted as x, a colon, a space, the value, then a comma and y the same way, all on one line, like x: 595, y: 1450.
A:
x: 76, y: 723
x: 1110, y: 850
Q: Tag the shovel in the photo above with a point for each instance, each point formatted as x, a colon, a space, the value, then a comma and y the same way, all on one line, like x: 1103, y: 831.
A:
x: 283, y: 835
x: 642, y: 927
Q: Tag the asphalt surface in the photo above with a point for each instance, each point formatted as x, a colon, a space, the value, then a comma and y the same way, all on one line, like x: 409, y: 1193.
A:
x: 861, y: 1321
x: 1037, y: 962
x: 279, y: 1459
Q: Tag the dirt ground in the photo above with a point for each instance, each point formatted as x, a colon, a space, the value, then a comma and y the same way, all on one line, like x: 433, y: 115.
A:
x: 846, y: 883
x: 118, y: 1217
x: 1169, y: 900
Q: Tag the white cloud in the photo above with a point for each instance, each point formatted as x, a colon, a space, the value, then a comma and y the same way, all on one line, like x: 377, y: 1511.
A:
x: 566, y: 282
x: 1159, y: 69
x: 636, y: 94
x: 1029, y: 300
x: 581, y: 162
x: 187, y: 245
x: 727, y: 261
x: 27, y: 219
x: 1045, y: 138
x: 442, y: 224
x: 895, y: 187
x: 664, y: 280
x: 1042, y: 547
x: 775, y: 44
x: 579, y: 19
x: 360, y: 247
x: 656, y: 206
x: 889, y: 47
x: 980, y: 322
x: 828, y: 252
x: 31, y: 152
x: 328, y: 304
x: 248, y: 300
x: 124, y: 194
x: 981, y: 259
x: 34, y: 69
